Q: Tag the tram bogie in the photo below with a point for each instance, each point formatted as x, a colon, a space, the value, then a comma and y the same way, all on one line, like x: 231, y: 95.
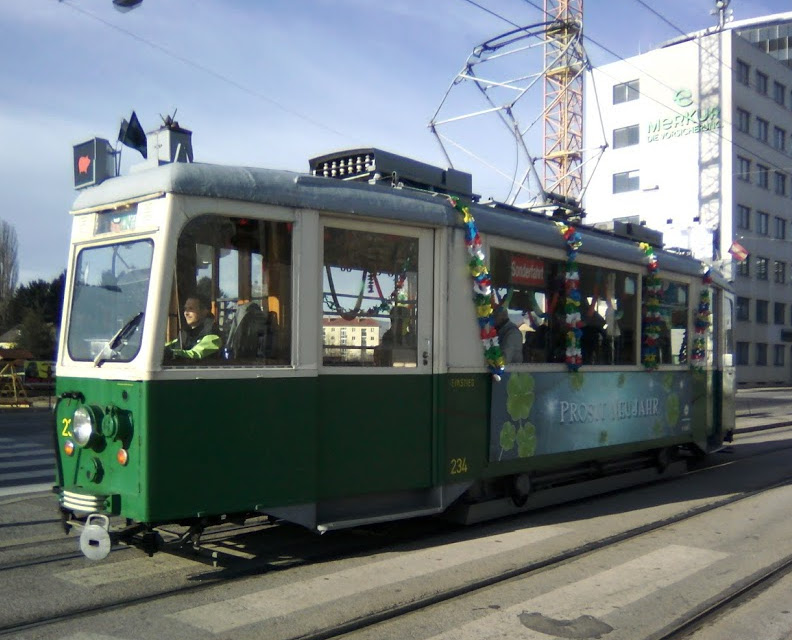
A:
x: 346, y: 368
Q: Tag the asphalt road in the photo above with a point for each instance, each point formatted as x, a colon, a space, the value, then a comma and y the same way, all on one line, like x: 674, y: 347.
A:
x: 699, y: 536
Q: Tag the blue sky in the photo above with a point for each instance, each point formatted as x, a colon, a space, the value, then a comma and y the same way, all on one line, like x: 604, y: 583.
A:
x: 264, y: 83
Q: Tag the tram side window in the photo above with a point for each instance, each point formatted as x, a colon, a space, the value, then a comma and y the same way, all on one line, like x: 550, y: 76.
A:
x: 241, y: 268
x: 673, y: 305
x: 608, y: 310
x: 532, y: 290
x: 369, y: 299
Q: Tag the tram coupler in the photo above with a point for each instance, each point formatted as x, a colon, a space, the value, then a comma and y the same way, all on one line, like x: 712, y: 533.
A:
x: 95, y: 540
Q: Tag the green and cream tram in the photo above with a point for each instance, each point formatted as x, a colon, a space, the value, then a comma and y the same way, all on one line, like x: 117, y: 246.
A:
x: 359, y: 378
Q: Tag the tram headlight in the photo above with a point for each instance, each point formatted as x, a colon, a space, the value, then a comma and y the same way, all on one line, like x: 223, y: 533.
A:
x: 83, y: 426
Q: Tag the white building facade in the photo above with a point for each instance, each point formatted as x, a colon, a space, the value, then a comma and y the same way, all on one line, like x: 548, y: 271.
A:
x: 699, y: 136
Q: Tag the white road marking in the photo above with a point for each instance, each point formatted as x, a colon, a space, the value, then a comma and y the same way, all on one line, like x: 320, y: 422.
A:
x: 15, y: 451
x: 257, y: 607
x: 25, y: 488
x: 26, y: 475
x: 99, y: 575
x: 595, y: 596
x: 29, y: 462
x: 82, y: 635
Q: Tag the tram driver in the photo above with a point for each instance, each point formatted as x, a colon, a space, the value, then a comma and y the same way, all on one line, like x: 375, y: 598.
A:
x: 200, y: 338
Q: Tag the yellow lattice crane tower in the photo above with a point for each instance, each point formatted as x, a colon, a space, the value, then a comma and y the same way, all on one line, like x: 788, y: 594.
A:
x: 565, y: 64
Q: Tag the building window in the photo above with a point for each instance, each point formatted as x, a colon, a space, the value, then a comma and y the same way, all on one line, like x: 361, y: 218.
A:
x: 779, y: 138
x: 626, y: 91
x: 762, y: 129
x: 761, y: 269
x: 743, y: 70
x: 780, y: 228
x: 743, y: 310
x: 761, y: 82
x: 626, y: 181
x: 761, y: 354
x: 779, y: 93
x: 779, y: 311
x: 780, y: 183
x: 743, y: 169
x: 762, y: 176
x: 743, y: 217
x: 779, y: 271
x: 743, y: 120
x: 743, y: 268
x: 761, y: 311
x: 742, y: 353
x: 778, y: 354
x: 625, y: 137
x: 762, y: 219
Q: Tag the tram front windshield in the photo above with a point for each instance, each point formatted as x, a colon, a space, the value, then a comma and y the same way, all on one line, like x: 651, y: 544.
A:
x: 109, y: 301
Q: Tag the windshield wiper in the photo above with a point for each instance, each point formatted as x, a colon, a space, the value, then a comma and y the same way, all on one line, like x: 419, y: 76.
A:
x: 120, y: 335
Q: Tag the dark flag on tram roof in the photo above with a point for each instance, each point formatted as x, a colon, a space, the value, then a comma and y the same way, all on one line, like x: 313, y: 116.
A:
x: 132, y: 135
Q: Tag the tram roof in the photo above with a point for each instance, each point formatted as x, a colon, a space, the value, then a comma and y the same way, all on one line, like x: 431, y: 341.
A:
x: 291, y: 189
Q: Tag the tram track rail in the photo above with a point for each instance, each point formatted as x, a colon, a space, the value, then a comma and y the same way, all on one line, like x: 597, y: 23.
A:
x: 723, y: 603
x: 253, y: 568
x: 760, y: 580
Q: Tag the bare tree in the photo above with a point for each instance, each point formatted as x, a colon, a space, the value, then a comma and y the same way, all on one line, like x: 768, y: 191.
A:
x: 9, y: 266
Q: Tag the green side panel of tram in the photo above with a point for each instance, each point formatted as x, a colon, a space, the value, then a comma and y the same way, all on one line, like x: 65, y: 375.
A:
x: 464, y: 402
x: 376, y: 434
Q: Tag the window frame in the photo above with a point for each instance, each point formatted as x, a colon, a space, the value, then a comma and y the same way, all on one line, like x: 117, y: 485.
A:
x: 631, y: 90
x: 630, y: 179
x: 422, y: 319
x: 743, y: 72
x: 762, y: 81
x: 631, y: 133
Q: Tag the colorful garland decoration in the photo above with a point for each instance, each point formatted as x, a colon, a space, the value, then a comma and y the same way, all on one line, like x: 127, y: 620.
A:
x: 652, y: 318
x: 702, y: 324
x: 573, y: 321
x: 482, y: 291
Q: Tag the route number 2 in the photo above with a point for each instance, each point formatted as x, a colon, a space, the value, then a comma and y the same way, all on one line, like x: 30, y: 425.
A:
x: 66, y: 432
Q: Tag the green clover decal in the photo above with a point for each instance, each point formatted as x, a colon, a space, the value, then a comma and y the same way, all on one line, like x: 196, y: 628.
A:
x: 520, y: 395
x: 507, y: 436
x: 526, y: 440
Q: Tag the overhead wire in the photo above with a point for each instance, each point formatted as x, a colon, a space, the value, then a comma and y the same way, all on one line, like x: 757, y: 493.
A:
x: 775, y: 165
x: 204, y: 69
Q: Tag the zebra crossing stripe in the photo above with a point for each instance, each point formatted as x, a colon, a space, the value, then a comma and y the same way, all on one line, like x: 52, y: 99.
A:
x: 221, y: 617
x: 28, y: 462
x: 13, y: 450
x: 26, y: 475
x: 112, y: 572
x: 594, y: 597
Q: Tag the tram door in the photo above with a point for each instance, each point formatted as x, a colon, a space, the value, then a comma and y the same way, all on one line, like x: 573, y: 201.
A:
x: 375, y: 383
